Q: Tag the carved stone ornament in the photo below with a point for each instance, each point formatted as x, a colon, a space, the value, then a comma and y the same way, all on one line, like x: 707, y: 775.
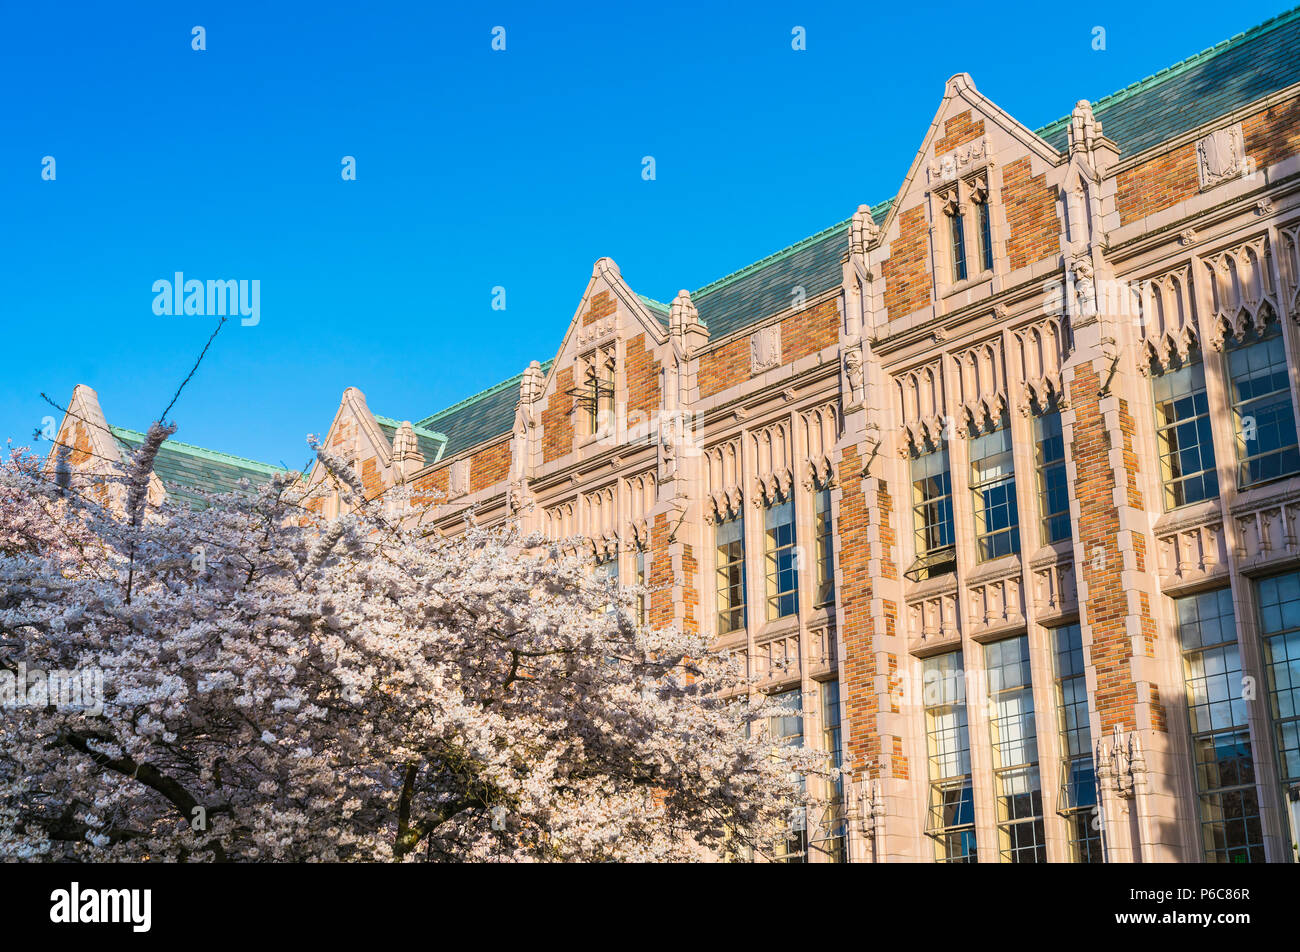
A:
x: 765, y: 349
x: 1221, y: 155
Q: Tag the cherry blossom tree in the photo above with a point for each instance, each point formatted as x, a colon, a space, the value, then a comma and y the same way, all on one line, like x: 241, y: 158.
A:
x: 280, y: 687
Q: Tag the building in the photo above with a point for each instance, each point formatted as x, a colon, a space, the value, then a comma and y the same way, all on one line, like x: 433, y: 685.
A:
x: 998, y: 480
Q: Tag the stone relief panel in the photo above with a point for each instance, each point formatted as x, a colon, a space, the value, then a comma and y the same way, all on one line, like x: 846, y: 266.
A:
x: 765, y: 349
x: 1221, y: 155
x: 982, y: 383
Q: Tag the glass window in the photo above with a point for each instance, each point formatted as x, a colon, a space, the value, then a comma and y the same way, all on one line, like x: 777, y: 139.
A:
x: 786, y: 727
x: 730, y: 556
x: 641, y: 582
x: 1222, y: 757
x: 986, y: 235
x: 1049, y: 466
x: 1183, y: 436
x: 782, y: 579
x: 932, y: 516
x: 1017, y: 786
x: 951, y: 818
x: 993, y: 484
x: 1261, y: 408
x: 823, y: 526
x: 831, y: 834
x: 958, y: 225
x: 1078, y: 778
x: 1279, y: 608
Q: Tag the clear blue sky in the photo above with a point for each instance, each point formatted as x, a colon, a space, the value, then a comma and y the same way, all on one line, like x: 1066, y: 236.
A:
x: 474, y: 169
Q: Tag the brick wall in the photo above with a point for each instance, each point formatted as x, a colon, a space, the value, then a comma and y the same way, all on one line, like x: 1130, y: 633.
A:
x: 803, y: 333
x: 642, y: 379
x: 957, y: 131
x: 1033, y: 225
x: 1271, y: 135
x: 424, y: 487
x: 855, y: 593
x: 908, y: 282
x: 490, y: 466
x: 1105, y: 610
x: 600, y: 306
x: 557, y: 418
x: 661, y: 575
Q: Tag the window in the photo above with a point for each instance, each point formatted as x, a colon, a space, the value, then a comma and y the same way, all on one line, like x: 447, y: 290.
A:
x: 993, y: 484
x: 831, y: 835
x: 932, y: 516
x: 786, y: 727
x: 782, y: 579
x: 823, y: 528
x: 1279, y: 610
x: 1017, y: 786
x: 596, y: 395
x: 1221, y: 750
x: 985, y: 229
x: 958, y: 225
x: 1183, y: 436
x: 731, y: 575
x: 1049, y: 467
x: 1261, y: 408
x: 1078, y: 803
x: 951, y: 819
x: 641, y: 583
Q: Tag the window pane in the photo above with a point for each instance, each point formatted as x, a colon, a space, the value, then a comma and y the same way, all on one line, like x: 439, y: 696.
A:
x: 993, y: 484
x: 1262, y: 411
x: 1183, y: 436
x: 951, y: 822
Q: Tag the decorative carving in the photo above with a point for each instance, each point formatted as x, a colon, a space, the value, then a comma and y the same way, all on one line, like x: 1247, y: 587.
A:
x: 773, y: 458
x: 596, y: 333
x: 1042, y: 348
x: 932, y: 620
x: 983, y: 384
x: 821, y: 430
x: 684, y: 323
x: 1054, y: 590
x: 921, y: 401
x: 946, y: 168
x: 863, y: 232
x: 853, y: 371
x: 765, y: 349
x: 1242, y: 293
x: 996, y: 605
x: 1268, y: 533
x: 1167, y: 311
x: 1290, y: 267
x: 1085, y: 288
x: 1187, y: 236
x: 458, y: 479
x: 1085, y: 130
x: 1220, y: 156
x: 722, y: 465
x: 1192, y: 554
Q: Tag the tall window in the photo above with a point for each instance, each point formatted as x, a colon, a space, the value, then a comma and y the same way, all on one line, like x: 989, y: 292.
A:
x: 598, y: 389
x: 985, y: 229
x: 932, y: 516
x: 1049, y: 467
x: 951, y: 818
x: 1279, y: 610
x: 1221, y: 750
x: 958, y: 224
x: 1078, y: 777
x: 641, y: 582
x: 1017, y: 785
x: 782, y: 579
x: 786, y: 727
x: 993, y: 484
x: 1261, y: 408
x: 823, y: 526
x: 731, y: 575
x: 832, y: 832
x: 1183, y: 435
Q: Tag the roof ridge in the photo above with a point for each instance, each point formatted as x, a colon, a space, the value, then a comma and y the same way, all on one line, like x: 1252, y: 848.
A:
x: 200, y: 451
x: 495, y: 388
x: 1179, y: 67
x: 788, y: 250
x: 424, y: 431
x: 652, y: 303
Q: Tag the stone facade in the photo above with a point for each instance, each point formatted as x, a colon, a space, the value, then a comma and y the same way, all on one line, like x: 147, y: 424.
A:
x: 1018, y: 284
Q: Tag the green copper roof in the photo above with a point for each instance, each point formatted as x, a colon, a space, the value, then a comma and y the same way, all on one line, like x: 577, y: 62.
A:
x: 184, y: 468
x: 430, y: 443
x: 1219, y: 80
x: 480, y: 417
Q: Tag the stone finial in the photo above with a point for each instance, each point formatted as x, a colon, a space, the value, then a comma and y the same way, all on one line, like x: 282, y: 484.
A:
x: 1085, y: 130
x: 684, y: 322
x: 863, y: 231
x: 407, y: 458
x: 530, y: 388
